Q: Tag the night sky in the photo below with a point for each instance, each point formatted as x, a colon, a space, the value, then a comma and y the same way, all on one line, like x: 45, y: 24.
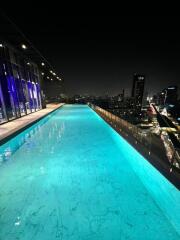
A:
x: 99, y: 54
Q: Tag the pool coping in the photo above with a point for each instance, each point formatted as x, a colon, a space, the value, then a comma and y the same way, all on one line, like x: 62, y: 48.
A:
x: 162, y: 167
x: 14, y: 132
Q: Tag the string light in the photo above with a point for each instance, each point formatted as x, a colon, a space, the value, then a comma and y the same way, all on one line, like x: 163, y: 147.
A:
x: 23, y: 46
x: 29, y: 43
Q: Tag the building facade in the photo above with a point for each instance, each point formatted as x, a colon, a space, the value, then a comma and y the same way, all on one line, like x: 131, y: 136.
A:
x: 138, y: 89
x: 170, y: 95
x: 20, y: 92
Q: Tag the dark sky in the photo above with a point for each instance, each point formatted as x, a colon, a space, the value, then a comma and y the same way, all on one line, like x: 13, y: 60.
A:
x: 99, y: 54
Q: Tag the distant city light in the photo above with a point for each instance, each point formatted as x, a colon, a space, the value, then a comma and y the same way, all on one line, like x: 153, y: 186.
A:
x: 149, y: 98
x: 23, y: 46
x: 54, y: 73
x: 42, y: 64
x: 42, y: 73
x: 28, y: 63
x: 47, y: 77
x: 59, y: 78
x: 1, y: 45
x: 51, y: 79
x: 51, y: 71
x: 164, y: 112
x: 140, y: 77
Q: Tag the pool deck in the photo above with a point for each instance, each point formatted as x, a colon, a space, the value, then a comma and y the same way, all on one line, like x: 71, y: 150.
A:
x: 15, y: 126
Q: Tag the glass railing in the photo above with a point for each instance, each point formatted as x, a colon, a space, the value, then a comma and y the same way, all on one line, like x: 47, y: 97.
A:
x: 152, y: 143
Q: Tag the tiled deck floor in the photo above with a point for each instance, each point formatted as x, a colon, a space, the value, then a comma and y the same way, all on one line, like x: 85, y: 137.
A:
x: 11, y: 127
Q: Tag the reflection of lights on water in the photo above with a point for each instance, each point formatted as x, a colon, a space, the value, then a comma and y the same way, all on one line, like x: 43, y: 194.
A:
x: 26, y: 139
x: 42, y: 170
x: 7, y: 153
x: 18, y: 222
x: 52, y: 149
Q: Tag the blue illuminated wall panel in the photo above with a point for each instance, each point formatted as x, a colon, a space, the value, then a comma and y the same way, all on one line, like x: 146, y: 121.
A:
x: 20, y: 92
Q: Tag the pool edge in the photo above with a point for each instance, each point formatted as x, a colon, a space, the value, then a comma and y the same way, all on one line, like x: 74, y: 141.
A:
x: 15, y: 132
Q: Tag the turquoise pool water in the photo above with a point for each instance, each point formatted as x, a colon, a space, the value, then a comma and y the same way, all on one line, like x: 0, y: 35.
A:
x: 71, y: 176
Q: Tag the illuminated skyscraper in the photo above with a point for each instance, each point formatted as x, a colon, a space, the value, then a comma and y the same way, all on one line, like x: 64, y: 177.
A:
x: 138, y: 89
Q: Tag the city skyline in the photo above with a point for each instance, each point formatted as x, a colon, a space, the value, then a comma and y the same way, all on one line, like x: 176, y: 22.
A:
x: 98, y: 55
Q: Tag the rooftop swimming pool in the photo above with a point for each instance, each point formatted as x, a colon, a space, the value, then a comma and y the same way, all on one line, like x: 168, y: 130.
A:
x: 71, y: 176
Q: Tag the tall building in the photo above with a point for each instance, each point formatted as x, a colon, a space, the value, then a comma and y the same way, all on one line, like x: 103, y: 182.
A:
x: 138, y: 89
x: 169, y: 95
